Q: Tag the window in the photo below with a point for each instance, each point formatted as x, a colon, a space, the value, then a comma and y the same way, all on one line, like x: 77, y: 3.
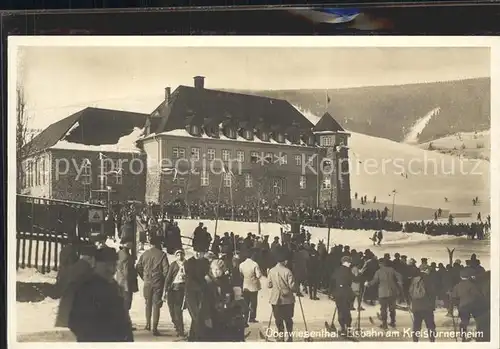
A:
x: 195, y: 154
x: 280, y: 138
x: 37, y: 172
x: 327, y: 182
x: 103, y: 180
x: 227, y: 179
x: 231, y: 133
x: 311, y: 140
x: 326, y: 141
x: 86, y: 172
x: 248, y: 134
x: 298, y: 160
x: 278, y: 186
x: 240, y: 156
x: 211, y: 154
x: 327, y: 165
x: 204, y: 179
x: 226, y: 155
x: 254, y: 157
x: 283, y: 159
x: 118, y: 171
x: 43, y: 170
x: 302, y: 182
x: 264, y: 136
x: 178, y: 153
x: 180, y: 181
x: 310, y: 160
x: 269, y: 158
x: 248, y: 180
x: 195, y: 130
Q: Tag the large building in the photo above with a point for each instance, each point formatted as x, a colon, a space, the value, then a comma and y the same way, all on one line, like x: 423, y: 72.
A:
x: 201, y: 142
x: 197, y: 144
x: 88, y: 155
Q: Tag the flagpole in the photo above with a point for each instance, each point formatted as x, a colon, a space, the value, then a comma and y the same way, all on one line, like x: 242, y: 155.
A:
x: 218, y: 201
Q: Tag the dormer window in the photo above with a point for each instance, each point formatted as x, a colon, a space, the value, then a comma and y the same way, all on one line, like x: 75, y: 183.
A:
x: 248, y: 134
x: 195, y: 130
x: 311, y: 140
x: 280, y: 138
x: 264, y: 136
x: 230, y: 132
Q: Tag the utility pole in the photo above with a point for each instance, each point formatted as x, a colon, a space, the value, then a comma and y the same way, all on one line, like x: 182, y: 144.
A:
x: 394, y: 192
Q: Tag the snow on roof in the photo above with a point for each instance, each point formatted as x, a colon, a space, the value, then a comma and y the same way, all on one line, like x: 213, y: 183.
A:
x: 75, y: 125
x: 183, y: 133
x: 126, y: 144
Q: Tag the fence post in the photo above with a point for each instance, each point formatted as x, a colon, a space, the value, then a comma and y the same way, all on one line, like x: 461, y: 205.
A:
x: 44, y: 253
x: 49, y: 254
x: 56, y: 253
x: 18, y: 249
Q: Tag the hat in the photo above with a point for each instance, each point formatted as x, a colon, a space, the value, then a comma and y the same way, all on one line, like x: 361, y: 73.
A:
x: 106, y: 254
x: 218, y: 264
x: 179, y: 252
x: 280, y: 255
x: 346, y: 259
x: 88, y: 250
x: 387, y: 256
x: 209, y: 255
x: 424, y: 259
x: 412, y: 261
x: 397, y: 255
x: 458, y: 261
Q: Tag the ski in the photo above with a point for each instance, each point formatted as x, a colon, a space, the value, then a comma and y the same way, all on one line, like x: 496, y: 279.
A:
x: 402, y: 307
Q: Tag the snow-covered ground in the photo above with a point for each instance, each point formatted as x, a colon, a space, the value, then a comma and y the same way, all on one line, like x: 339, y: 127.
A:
x: 40, y: 317
x: 377, y: 164
x: 473, y: 145
x: 419, y: 126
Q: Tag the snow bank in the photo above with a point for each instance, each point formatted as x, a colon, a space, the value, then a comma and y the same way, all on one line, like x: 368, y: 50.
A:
x: 32, y: 275
x: 419, y: 126
x: 75, y: 125
x: 308, y: 114
x: 126, y: 144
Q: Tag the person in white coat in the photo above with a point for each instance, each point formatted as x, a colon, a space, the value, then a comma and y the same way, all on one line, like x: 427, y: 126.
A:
x: 251, y: 274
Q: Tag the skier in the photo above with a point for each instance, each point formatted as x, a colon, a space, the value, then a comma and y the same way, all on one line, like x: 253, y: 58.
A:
x: 423, y: 300
x: 470, y: 300
x: 344, y: 295
x: 380, y: 236
x: 390, y: 283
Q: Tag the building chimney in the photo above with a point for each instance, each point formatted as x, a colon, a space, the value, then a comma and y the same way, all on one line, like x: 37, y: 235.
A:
x: 167, y: 94
x: 199, y: 82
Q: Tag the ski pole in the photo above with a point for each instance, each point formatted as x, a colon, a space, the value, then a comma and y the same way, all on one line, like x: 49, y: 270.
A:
x: 307, y: 339
x: 453, y: 318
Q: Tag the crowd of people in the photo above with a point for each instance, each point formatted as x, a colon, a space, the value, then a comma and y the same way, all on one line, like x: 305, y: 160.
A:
x: 352, y: 219
x: 219, y: 285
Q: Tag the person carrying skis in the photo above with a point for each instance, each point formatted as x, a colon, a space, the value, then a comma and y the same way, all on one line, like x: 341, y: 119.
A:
x: 390, y: 284
x: 422, y: 294
x: 470, y: 299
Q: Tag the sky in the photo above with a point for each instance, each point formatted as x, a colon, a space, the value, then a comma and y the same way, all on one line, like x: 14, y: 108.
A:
x: 59, y: 81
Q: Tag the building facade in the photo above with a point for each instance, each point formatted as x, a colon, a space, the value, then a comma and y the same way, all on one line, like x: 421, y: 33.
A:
x: 266, y: 148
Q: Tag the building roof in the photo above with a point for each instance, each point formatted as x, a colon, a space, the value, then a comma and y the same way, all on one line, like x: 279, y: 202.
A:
x: 328, y: 123
x: 198, y: 104
x: 90, y: 126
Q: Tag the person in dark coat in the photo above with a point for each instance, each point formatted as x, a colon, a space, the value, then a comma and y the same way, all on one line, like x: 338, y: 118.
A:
x: 313, y: 273
x: 152, y: 267
x: 67, y: 257
x: 390, y: 284
x: 98, y: 314
x: 196, y: 269
x: 76, y: 274
x: 470, y: 299
x: 175, y: 291
x: 199, y: 239
x: 423, y: 307
x: 344, y: 294
x: 173, y: 241
x: 126, y: 275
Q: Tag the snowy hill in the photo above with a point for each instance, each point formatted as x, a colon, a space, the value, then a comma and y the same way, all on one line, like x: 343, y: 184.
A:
x: 428, y: 177
x: 472, y: 145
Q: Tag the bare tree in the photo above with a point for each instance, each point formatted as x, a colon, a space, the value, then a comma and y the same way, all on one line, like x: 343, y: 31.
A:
x: 23, y: 135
